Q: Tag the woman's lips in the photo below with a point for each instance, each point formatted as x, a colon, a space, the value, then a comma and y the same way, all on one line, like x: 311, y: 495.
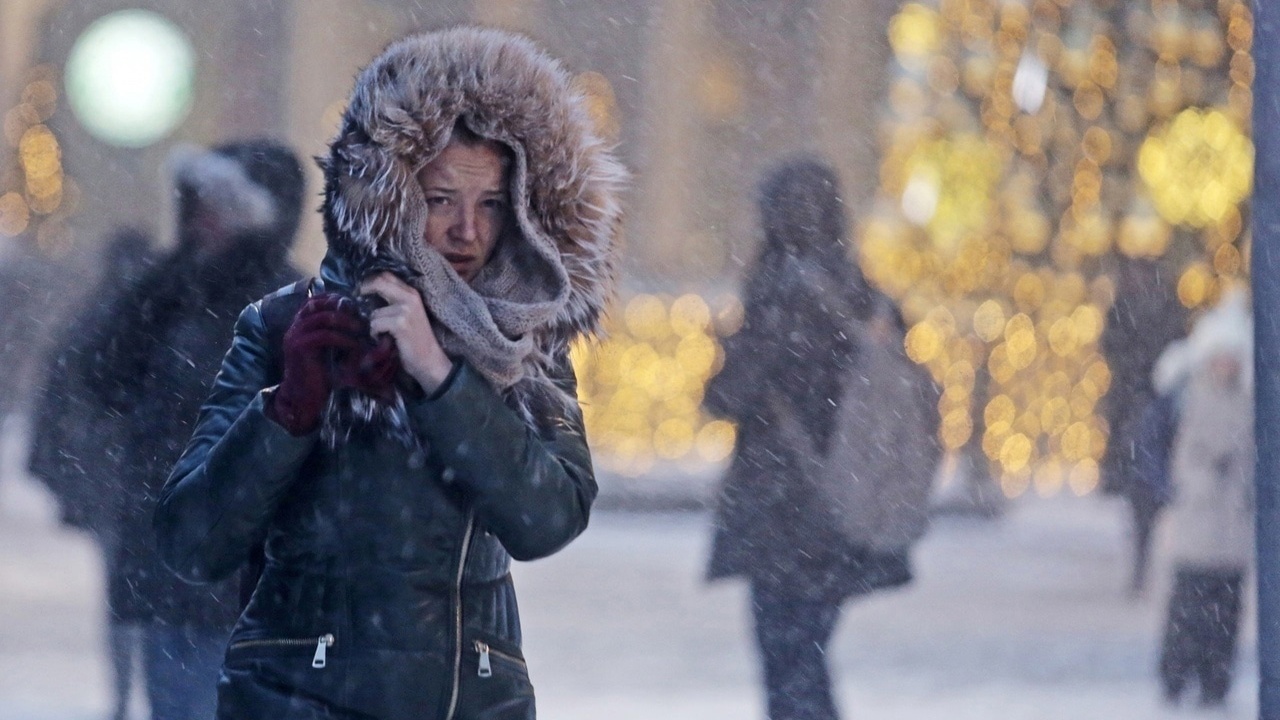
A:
x: 460, y: 263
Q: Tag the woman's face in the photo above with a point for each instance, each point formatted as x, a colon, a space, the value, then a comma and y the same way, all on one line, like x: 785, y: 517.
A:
x: 467, y: 204
x: 1224, y: 368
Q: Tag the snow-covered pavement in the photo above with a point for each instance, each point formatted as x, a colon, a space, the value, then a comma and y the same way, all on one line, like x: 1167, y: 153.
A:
x: 1021, y: 618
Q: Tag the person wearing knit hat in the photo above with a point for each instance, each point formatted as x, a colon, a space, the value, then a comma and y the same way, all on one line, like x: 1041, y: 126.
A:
x: 149, y: 366
x: 1211, y: 469
x: 388, y: 437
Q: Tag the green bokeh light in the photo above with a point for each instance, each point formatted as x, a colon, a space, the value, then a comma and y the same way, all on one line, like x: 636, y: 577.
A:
x: 130, y: 78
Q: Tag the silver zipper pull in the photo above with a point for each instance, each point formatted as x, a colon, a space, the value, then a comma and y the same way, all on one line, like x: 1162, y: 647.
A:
x: 486, y: 669
x: 324, y: 642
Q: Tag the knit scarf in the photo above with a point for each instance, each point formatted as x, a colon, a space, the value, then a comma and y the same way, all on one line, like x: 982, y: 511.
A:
x: 492, y: 323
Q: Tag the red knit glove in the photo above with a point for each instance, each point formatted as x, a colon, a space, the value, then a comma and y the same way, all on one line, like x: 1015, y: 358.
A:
x: 373, y: 371
x: 325, y: 334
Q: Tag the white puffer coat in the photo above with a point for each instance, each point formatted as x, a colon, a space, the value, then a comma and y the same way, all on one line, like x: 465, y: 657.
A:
x: 1212, y: 468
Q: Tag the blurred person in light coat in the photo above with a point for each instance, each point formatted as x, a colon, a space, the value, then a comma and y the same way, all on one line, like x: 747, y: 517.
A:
x: 1211, y: 516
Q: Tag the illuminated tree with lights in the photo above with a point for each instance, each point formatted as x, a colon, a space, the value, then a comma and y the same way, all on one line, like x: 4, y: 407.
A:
x: 36, y: 197
x: 1026, y: 147
x: 641, y: 389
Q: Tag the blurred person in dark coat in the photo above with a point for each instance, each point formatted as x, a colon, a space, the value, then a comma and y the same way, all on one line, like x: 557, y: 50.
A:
x: 238, y: 211
x: 69, y: 451
x: 29, y: 301
x: 1145, y: 317
x: 797, y: 359
x: 1211, y: 516
x: 76, y: 442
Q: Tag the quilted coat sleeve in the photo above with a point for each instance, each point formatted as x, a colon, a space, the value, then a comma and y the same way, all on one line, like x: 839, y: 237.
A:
x: 533, y: 490
x: 224, y: 490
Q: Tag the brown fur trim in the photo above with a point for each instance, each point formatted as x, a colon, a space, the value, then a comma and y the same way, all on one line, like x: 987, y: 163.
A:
x: 566, y: 181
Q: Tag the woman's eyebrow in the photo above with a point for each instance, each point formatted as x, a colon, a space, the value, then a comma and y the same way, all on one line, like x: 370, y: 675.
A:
x: 440, y: 189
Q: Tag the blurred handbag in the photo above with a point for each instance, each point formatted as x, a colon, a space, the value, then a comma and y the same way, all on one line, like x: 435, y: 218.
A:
x: 876, y: 477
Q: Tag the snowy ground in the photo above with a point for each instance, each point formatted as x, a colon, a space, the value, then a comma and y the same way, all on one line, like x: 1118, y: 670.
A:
x: 1021, y: 618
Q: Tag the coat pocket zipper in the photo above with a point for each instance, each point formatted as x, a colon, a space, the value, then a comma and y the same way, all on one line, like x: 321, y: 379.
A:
x: 486, y: 665
x: 322, y: 643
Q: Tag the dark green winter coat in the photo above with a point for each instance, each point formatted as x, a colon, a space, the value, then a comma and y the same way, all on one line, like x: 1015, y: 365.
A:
x: 386, y: 574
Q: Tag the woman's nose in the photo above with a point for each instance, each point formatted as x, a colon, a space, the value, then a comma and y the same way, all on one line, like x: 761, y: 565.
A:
x: 464, y: 229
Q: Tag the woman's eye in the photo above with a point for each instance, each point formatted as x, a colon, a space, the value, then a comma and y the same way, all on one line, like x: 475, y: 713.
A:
x: 437, y: 200
x: 493, y: 204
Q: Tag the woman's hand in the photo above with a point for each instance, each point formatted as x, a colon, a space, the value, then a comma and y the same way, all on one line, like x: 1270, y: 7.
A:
x: 405, y: 319
x: 325, y: 326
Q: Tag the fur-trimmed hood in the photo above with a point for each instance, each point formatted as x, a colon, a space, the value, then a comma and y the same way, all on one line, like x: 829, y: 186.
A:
x: 565, y: 181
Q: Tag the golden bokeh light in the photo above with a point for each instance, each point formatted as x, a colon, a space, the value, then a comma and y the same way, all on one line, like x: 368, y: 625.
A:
x: 923, y: 342
x: 949, y: 187
x: 42, y: 97
x: 915, y: 32
x: 1015, y: 452
x: 1195, y: 285
x: 14, y: 214
x: 690, y: 316
x: 39, y: 154
x: 17, y: 121
x: 1197, y: 168
x: 1144, y: 235
x: 1015, y: 484
x: 715, y: 440
x: 641, y: 389
x: 956, y: 429
x: 646, y: 317
x: 36, y: 198
x: 1084, y: 477
x: 602, y: 106
x: 1000, y: 410
x: 988, y: 321
x: 1048, y: 478
x: 673, y: 438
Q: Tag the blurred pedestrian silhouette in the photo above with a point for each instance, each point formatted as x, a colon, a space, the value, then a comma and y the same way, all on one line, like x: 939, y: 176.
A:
x: 76, y: 443
x: 30, y: 300
x: 1145, y: 317
x: 152, y: 365
x: 1211, y: 515
x: 817, y: 382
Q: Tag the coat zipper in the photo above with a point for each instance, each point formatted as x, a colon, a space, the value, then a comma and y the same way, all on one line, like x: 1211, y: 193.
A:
x: 486, y: 665
x: 457, y: 616
x: 319, y: 660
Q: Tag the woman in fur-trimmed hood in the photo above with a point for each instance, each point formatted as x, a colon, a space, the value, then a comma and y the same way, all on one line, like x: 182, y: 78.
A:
x: 401, y: 428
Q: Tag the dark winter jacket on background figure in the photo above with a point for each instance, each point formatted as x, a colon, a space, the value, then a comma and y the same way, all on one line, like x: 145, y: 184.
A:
x: 796, y: 355
x: 1145, y: 317
x: 161, y: 350
x: 76, y: 442
x: 386, y: 591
